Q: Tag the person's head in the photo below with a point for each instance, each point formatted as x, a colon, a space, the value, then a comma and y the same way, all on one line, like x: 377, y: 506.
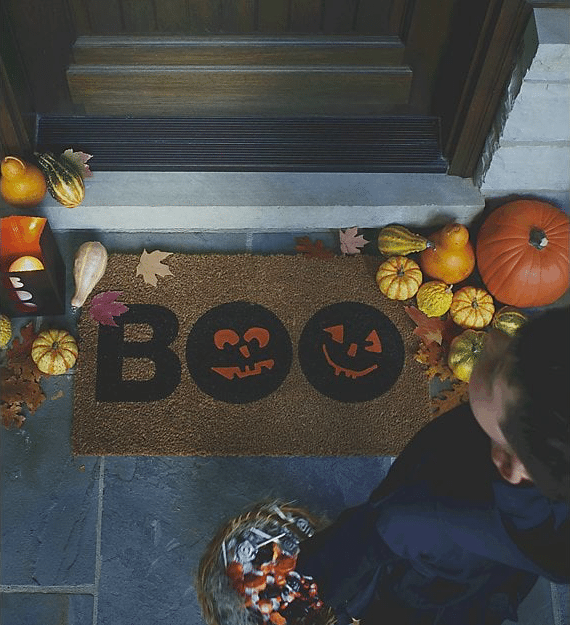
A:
x: 519, y: 392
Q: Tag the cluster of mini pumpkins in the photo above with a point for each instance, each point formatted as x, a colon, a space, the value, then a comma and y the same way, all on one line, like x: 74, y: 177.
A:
x: 24, y: 184
x: 522, y: 257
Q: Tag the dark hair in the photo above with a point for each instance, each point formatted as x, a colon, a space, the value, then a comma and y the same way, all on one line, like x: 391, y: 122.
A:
x: 537, y: 423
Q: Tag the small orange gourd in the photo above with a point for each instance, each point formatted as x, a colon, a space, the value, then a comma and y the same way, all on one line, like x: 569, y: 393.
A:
x: 22, y: 184
x: 54, y: 351
x: 472, y: 308
x: 452, y: 259
x: 399, y: 277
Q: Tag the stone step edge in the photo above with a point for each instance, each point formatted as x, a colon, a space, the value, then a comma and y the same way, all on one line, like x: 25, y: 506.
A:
x: 252, y: 201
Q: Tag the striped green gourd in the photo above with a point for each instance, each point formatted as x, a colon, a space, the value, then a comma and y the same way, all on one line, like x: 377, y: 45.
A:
x: 64, y: 181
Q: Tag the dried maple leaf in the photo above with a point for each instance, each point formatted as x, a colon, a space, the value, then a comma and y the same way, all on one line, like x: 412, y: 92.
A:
x: 429, y: 329
x: 80, y: 160
x: 351, y: 241
x: 104, y: 307
x: 150, y: 266
x: 313, y: 250
x: 450, y: 398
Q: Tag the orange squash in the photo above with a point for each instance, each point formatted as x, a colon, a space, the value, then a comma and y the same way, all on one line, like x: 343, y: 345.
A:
x: 54, y: 351
x: 523, y: 253
x: 22, y: 184
x: 472, y: 308
x: 399, y: 277
x: 452, y: 258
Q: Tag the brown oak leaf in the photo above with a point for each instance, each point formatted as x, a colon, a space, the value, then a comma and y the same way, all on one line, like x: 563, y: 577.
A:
x: 20, y: 354
x: 150, y: 266
x: 104, y: 308
x: 12, y: 415
x: 351, y: 241
x: 21, y: 390
x: 313, y: 250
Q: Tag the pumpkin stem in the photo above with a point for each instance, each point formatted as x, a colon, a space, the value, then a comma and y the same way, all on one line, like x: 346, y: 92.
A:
x: 538, y: 238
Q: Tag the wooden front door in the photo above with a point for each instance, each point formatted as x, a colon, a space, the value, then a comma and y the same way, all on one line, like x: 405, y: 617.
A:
x: 227, y: 57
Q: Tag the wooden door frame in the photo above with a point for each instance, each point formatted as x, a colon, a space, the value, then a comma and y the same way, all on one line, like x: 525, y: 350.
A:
x: 464, y: 77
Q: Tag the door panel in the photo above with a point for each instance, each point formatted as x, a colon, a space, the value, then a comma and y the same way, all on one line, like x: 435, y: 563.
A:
x: 202, y: 17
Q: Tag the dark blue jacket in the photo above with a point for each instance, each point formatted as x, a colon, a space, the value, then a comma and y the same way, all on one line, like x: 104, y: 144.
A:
x: 443, y: 539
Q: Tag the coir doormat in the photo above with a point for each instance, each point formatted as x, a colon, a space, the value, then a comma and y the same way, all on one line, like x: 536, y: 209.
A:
x: 248, y: 355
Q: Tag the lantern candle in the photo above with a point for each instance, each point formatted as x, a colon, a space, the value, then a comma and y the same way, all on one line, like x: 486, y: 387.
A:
x: 31, y: 268
x: 27, y: 263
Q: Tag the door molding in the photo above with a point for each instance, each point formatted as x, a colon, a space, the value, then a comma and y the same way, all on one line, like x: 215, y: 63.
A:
x: 480, y: 69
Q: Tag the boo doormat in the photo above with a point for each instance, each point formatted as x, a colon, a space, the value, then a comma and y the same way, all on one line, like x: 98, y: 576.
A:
x: 248, y: 355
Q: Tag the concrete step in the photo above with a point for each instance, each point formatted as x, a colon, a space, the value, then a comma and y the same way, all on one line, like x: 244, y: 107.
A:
x: 264, y: 201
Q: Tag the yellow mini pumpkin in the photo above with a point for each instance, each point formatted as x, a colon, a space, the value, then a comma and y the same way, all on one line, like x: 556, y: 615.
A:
x: 472, y: 307
x: 54, y: 351
x: 464, y: 351
x: 434, y: 298
x: 399, y: 278
x: 509, y: 319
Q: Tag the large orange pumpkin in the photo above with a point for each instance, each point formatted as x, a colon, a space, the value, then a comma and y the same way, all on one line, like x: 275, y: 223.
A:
x: 522, y: 253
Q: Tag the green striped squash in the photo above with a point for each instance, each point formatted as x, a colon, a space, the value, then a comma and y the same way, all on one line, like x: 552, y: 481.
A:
x: 64, y: 181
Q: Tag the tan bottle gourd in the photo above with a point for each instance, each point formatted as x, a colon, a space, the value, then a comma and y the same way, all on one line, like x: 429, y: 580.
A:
x: 88, y: 269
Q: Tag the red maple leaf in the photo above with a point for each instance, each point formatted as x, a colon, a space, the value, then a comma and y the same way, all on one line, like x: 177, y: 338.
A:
x: 104, y: 307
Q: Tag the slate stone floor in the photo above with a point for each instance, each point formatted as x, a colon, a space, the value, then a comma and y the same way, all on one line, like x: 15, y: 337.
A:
x: 117, y: 540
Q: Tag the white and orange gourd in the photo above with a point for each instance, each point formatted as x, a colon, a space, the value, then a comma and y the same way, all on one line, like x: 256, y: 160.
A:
x: 54, y: 351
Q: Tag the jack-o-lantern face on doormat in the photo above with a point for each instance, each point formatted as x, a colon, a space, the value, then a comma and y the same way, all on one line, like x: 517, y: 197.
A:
x: 351, y: 352
x: 238, y: 352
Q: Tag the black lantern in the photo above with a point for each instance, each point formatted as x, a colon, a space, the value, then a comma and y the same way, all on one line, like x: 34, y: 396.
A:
x: 32, y: 270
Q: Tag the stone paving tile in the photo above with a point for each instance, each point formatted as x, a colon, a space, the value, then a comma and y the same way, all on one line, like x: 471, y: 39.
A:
x: 49, y: 499
x: 45, y: 609
x: 159, y: 515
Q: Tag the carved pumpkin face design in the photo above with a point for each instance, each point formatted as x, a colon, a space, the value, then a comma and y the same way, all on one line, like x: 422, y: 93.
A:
x: 351, y: 352
x: 238, y: 352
